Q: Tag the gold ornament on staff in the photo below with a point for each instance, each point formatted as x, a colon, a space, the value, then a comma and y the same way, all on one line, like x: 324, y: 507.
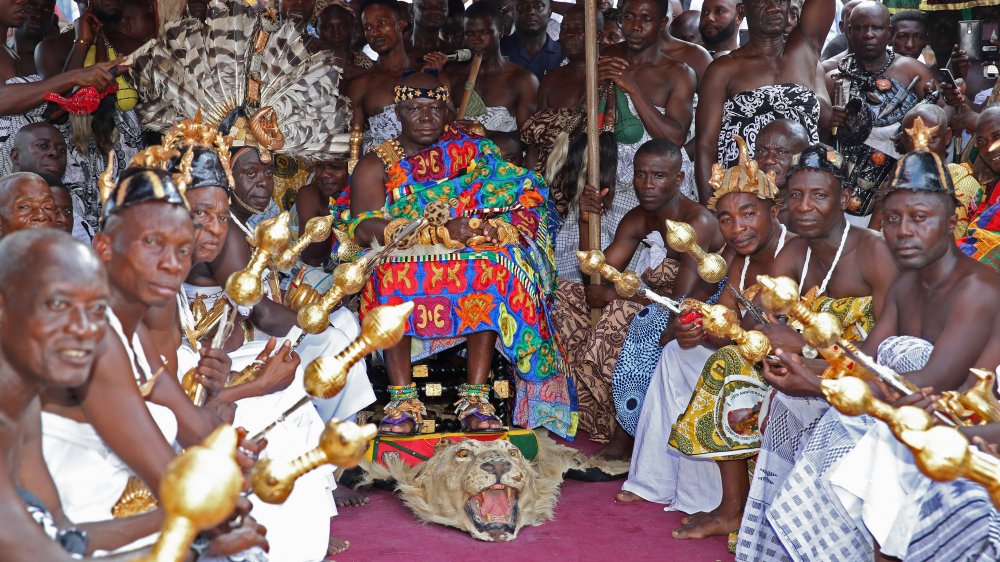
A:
x: 198, y: 492
x: 272, y: 236
x: 317, y: 230
x: 978, y: 405
x: 348, y: 279
x: 326, y: 376
x: 780, y: 295
x: 627, y: 283
x: 940, y: 452
x: 382, y: 327
x: 682, y: 238
x: 342, y: 444
x: 719, y: 320
x: 355, y: 142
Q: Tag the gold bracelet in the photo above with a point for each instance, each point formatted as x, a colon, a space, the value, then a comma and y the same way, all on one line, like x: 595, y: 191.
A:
x: 475, y: 223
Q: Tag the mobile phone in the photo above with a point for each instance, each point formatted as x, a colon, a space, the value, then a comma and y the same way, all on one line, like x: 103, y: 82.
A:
x: 945, y: 76
x: 970, y: 38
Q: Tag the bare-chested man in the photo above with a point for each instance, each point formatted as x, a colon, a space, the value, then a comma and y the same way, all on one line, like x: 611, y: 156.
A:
x: 591, y: 350
x: 777, y: 143
x: 838, y: 47
x: 822, y: 256
x: 41, y: 23
x: 685, y: 27
x: 506, y: 92
x: 25, y: 202
x: 720, y: 26
x: 923, y: 332
x: 429, y: 17
x: 871, y: 112
x: 372, y: 92
x: 769, y: 78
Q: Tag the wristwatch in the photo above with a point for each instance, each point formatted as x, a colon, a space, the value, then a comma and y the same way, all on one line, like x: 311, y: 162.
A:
x: 809, y: 352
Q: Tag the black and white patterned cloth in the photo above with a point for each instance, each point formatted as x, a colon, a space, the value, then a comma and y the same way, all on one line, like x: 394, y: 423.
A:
x: 73, y: 541
x: 746, y: 113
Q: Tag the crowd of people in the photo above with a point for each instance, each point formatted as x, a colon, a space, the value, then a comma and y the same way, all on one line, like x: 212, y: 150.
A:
x: 853, y: 147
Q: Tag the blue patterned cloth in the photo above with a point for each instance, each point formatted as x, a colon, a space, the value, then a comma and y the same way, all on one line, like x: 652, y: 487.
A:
x: 640, y: 353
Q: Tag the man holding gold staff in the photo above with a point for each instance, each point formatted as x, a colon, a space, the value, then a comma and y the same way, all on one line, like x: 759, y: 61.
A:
x: 744, y: 204
x: 481, y: 269
x: 874, y: 489
x: 734, y: 387
x: 593, y: 349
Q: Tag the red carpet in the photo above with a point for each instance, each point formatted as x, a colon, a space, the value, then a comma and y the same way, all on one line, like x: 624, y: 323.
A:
x: 589, y: 525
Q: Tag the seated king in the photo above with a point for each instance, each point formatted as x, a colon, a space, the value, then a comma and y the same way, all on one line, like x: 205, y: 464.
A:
x: 481, y: 269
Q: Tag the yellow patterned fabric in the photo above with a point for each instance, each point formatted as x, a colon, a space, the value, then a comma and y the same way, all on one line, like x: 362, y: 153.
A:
x: 970, y: 194
x: 721, y: 421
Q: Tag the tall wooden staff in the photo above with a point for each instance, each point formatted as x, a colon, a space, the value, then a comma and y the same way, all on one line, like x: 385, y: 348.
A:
x: 593, y: 151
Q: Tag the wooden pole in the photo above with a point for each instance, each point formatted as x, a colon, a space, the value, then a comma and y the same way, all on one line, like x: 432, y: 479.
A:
x: 593, y: 151
x: 470, y: 85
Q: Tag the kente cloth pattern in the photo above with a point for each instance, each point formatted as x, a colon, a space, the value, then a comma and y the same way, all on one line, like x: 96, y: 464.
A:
x: 381, y: 127
x: 970, y: 194
x: 722, y: 419
x: 982, y: 239
x: 957, y: 521
x: 508, y: 289
x: 870, y: 166
x: 592, y: 352
x: 746, y: 113
x: 638, y: 358
x: 807, y: 515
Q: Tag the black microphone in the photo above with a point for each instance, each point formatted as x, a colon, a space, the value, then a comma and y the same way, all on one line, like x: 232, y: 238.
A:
x: 460, y: 55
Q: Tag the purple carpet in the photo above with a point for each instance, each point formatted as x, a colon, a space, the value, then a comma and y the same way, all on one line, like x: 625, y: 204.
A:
x: 589, y: 525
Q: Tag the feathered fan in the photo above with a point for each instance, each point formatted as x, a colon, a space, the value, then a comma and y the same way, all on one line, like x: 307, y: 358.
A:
x: 222, y: 68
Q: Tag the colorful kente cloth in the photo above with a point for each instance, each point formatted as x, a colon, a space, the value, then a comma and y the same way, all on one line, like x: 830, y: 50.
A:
x: 722, y: 420
x: 982, y: 239
x: 970, y: 194
x: 508, y: 289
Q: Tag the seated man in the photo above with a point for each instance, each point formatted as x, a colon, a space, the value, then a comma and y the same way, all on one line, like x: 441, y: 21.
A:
x: 777, y: 143
x: 41, y: 149
x: 63, y: 200
x: 25, y: 202
x: 923, y: 331
x: 43, y: 267
x: 722, y: 417
x: 487, y: 272
x: 593, y: 350
x: 982, y: 239
x: 968, y: 190
x: 744, y: 204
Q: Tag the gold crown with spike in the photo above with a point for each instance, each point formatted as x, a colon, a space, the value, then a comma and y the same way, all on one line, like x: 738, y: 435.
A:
x: 744, y: 177
x: 191, y: 133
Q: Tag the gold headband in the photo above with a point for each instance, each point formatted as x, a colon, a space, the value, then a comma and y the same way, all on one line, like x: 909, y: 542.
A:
x: 744, y: 177
x: 404, y: 93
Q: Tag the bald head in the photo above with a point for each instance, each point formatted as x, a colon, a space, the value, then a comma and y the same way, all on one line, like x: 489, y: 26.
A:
x: 53, y: 299
x: 685, y: 27
x: 845, y: 14
x: 25, y: 202
x: 41, y: 149
x: 777, y: 143
x: 932, y: 116
x: 988, y: 137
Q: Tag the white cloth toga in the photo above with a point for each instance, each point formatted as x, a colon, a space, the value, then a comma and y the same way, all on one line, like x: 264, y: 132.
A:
x: 659, y: 473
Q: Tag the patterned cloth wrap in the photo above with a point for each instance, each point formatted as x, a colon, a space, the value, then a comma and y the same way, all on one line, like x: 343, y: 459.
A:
x: 638, y: 358
x: 746, y: 113
x: 982, y: 239
x: 508, y: 289
x: 722, y: 420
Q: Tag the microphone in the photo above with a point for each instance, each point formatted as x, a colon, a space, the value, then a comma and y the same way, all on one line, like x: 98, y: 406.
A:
x: 461, y: 55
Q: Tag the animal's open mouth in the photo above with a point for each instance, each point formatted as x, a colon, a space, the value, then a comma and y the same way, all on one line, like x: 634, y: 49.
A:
x: 494, y: 511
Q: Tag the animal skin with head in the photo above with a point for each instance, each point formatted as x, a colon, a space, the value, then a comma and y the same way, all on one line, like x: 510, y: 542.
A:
x: 487, y: 488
